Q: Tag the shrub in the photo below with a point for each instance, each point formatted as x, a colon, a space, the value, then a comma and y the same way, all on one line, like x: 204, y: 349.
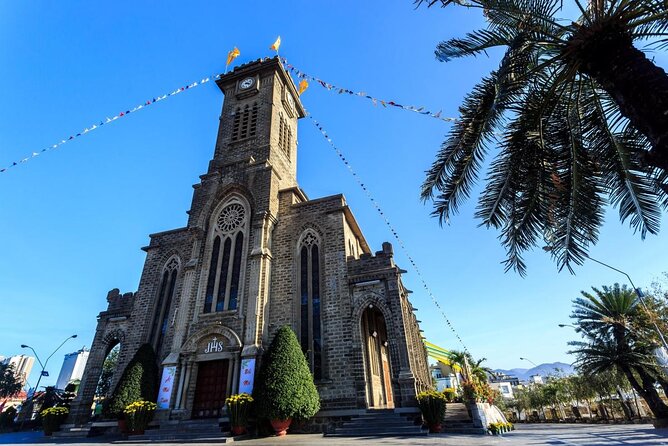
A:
x: 432, y: 406
x: 450, y: 394
x: 52, y: 418
x: 238, y: 406
x: 139, y: 414
x: 285, y: 385
x: 7, y: 418
x: 138, y: 382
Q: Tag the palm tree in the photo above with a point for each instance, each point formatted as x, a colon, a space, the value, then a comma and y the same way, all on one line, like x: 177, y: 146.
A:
x: 469, y: 365
x: 602, y: 355
x: 611, y: 321
x: 581, y: 117
x: 611, y: 310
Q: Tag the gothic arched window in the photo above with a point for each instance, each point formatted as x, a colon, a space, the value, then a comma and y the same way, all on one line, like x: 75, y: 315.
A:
x: 310, y: 329
x: 164, y: 304
x: 227, y: 255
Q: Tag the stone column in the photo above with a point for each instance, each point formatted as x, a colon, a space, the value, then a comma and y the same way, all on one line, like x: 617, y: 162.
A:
x: 260, y: 267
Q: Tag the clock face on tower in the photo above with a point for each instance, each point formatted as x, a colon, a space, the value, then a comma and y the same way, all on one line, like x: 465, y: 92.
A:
x: 246, y: 83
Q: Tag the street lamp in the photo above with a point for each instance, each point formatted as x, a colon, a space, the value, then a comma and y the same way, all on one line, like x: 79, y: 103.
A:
x: 47, y: 359
x: 641, y: 298
x: 567, y: 325
x: 529, y: 360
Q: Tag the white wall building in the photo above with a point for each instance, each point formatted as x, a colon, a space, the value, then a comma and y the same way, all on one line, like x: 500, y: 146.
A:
x: 22, y: 366
x: 505, y: 387
x: 73, y: 367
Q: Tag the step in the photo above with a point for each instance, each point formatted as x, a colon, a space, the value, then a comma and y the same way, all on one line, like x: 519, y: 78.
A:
x: 140, y: 439
x: 381, y: 433
x: 376, y: 429
x: 398, y: 422
x: 465, y: 430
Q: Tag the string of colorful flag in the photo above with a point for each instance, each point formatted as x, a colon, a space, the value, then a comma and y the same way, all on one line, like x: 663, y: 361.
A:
x: 383, y: 215
x: 385, y: 103
x: 303, y: 85
x: 109, y: 120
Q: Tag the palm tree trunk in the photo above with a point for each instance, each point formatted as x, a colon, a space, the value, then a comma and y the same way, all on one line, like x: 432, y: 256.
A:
x: 647, y: 391
x: 605, y: 52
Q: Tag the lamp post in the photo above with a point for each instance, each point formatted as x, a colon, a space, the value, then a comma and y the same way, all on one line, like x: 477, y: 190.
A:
x: 567, y: 325
x: 529, y: 360
x: 41, y: 373
x: 641, y: 298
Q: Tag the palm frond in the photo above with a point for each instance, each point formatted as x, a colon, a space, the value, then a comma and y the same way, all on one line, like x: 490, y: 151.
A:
x: 456, y: 166
x: 473, y: 44
x: 628, y: 183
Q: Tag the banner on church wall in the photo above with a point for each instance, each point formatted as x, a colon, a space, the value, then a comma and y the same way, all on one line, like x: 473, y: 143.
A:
x: 166, y: 386
x: 246, y: 376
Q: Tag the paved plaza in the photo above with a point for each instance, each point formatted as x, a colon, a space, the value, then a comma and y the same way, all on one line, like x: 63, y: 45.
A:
x: 531, y: 435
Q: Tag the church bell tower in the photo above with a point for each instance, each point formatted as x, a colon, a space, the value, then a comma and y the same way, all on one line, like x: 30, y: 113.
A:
x: 258, y: 122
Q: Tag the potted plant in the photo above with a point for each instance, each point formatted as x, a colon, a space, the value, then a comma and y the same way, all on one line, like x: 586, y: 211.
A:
x: 285, y: 387
x: 138, y: 415
x: 238, y: 407
x: 139, y: 381
x: 450, y: 394
x: 432, y: 406
x: 52, y: 418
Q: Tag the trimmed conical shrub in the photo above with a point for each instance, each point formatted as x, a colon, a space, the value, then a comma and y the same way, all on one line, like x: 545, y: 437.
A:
x: 285, y: 387
x: 138, y: 382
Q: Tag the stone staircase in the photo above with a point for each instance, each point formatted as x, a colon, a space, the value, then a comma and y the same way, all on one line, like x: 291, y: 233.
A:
x: 458, y: 421
x: 189, y: 431
x: 378, y: 423
x: 72, y: 431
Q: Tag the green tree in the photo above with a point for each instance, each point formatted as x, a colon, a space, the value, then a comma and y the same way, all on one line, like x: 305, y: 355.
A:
x: 10, y: 384
x: 285, y: 386
x: 634, y: 360
x: 475, y: 367
x: 138, y: 382
x: 108, y: 369
x: 615, y: 331
x: 581, y: 391
x: 578, y: 115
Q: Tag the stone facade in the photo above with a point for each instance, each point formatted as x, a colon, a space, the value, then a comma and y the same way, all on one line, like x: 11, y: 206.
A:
x: 257, y: 254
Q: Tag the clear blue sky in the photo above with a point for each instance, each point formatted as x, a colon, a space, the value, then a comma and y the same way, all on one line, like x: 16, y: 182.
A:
x: 73, y: 220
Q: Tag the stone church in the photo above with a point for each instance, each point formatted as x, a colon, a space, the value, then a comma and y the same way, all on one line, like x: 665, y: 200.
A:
x: 257, y: 254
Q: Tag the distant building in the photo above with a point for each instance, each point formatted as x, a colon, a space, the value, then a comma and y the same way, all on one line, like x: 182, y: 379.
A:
x: 536, y: 379
x: 502, y: 377
x: 444, y: 376
x: 22, y: 366
x: 505, y: 387
x: 73, y: 367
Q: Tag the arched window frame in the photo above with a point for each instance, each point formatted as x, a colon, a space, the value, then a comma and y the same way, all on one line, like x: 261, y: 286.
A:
x: 164, y: 300
x: 310, y: 293
x: 226, y: 258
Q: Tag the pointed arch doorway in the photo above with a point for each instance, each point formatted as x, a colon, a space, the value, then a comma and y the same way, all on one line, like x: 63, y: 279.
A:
x: 378, y: 372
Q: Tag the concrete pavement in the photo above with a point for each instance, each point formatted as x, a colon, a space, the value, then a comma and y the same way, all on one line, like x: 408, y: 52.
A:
x: 525, y: 435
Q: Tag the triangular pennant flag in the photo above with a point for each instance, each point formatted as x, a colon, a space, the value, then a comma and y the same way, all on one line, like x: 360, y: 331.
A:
x: 303, y: 85
x: 232, y: 55
x: 276, y: 44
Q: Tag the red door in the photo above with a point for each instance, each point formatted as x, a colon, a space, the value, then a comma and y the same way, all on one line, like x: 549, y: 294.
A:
x: 211, y: 388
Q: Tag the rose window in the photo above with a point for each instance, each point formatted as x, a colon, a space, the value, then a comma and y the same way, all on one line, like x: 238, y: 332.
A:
x: 231, y: 217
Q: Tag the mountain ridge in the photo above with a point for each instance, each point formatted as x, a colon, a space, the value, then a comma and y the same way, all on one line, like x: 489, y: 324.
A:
x: 546, y: 369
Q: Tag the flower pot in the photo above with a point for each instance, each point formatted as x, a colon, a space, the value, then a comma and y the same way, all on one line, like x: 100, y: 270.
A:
x: 435, y: 428
x: 238, y: 430
x: 281, y: 426
x: 123, y: 426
